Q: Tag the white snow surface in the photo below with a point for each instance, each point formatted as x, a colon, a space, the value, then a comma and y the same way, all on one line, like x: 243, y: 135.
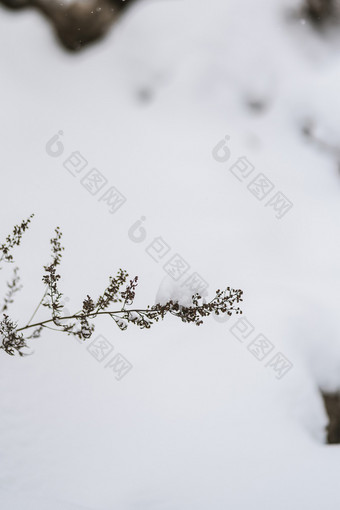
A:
x: 198, y: 422
x: 177, y: 291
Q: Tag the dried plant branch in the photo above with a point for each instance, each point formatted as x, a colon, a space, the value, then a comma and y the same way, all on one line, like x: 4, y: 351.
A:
x: 13, y: 287
x: 51, y: 278
x: 80, y: 324
x: 38, y: 306
x: 13, y: 240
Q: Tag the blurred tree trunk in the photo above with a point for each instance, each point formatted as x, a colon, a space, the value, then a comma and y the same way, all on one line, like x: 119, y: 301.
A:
x: 79, y: 23
x: 332, y: 404
x: 322, y: 11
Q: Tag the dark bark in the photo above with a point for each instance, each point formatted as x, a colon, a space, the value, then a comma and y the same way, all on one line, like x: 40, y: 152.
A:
x: 322, y: 12
x: 79, y: 23
x: 332, y: 404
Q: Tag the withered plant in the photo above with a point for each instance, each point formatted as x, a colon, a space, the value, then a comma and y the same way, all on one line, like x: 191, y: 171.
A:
x: 116, y: 302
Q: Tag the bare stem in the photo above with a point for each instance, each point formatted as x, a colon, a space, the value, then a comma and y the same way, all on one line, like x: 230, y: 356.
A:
x: 37, y: 308
x: 88, y: 315
x: 140, y: 311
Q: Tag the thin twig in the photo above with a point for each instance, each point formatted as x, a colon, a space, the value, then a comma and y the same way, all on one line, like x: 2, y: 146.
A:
x: 140, y: 311
x: 37, y: 308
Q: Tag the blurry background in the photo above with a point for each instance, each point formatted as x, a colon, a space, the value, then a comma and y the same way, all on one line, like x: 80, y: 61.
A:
x: 198, y: 422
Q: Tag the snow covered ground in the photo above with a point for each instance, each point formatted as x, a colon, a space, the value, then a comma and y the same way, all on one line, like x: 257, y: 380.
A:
x: 197, y: 422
